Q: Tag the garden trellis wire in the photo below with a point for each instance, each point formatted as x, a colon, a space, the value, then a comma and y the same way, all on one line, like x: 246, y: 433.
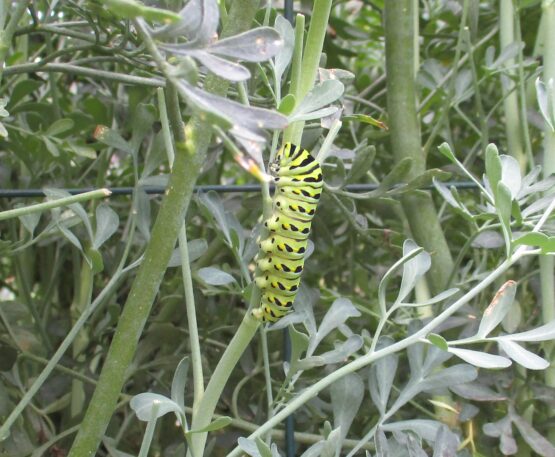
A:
x: 220, y: 188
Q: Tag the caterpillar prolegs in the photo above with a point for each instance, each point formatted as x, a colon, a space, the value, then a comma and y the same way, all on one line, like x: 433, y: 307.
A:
x: 298, y: 179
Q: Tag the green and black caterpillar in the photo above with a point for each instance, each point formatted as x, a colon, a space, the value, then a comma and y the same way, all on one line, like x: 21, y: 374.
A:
x: 298, y: 179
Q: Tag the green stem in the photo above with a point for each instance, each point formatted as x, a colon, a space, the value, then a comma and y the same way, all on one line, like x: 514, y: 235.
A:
x: 84, y: 71
x: 230, y: 357
x: 6, y: 35
x: 310, y: 61
x: 189, y: 157
x: 513, y: 127
x: 66, y: 201
x: 405, y: 135
x: 547, y: 264
x: 179, y: 134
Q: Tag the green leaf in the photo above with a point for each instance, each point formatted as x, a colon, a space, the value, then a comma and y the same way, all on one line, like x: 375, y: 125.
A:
x: 362, y: 163
x: 218, y: 424
x: 438, y: 341
x: 546, y: 243
x: 59, y: 126
x: 179, y: 382
x: 263, y: 448
x: 107, y: 222
x: 365, y: 119
x: 445, y: 149
x: 96, y: 260
x: 287, y: 104
x: 497, y: 309
x: 503, y: 203
x: 493, y: 168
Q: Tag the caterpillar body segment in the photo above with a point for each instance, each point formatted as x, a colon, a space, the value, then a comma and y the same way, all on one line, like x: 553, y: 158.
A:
x: 284, y: 286
x: 299, y: 182
x: 288, y: 226
x: 285, y: 247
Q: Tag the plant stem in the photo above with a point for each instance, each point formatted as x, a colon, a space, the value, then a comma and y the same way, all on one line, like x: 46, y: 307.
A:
x: 194, y: 342
x: 310, y: 61
x: 189, y: 157
x: 513, y: 124
x: 405, y: 136
x: 230, y: 357
x: 6, y: 34
x: 66, y: 201
x: 84, y: 71
x: 547, y: 264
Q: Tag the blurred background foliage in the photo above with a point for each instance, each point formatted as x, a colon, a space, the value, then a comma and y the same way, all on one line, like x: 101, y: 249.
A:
x: 78, y: 119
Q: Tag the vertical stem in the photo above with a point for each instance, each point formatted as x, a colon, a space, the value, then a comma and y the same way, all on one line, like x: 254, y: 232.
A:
x: 194, y: 341
x: 405, y: 135
x: 547, y: 265
x: 513, y: 126
x: 189, y: 158
x: 310, y: 61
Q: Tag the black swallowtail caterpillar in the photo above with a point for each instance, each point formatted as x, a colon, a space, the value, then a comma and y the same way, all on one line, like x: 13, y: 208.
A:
x: 298, y: 179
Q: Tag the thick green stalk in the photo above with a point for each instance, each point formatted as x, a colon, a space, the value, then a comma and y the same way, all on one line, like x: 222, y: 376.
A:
x: 6, y: 34
x: 547, y: 264
x: 189, y: 157
x: 513, y: 126
x: 179, y: 134
x: 310, y: 61
x: 405, y: 135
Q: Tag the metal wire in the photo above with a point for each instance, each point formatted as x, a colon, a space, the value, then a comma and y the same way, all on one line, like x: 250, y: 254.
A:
x: 220, y: 188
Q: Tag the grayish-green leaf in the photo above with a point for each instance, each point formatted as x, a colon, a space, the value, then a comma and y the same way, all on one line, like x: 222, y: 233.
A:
x: 319, y: 97
x: 380, y: 441
x: 143, y: 404
x: 283, y: 57
x: 215, y: 277
x: 340, y: 310
x: 546, y: 102
x: 380, y: 380
x: 179, y: 382
x: 30, y: 221
x: 497, y: 309
x: 107, y: 222
x: 510, y: 174
x: 488, y: 239
x: 536, y: 441
x: 523, y: 357
x: 446, y: 443
x: 481, y: 359
x: 54, y: 194
x: 503, y: 430
x: 224, y: 68
x: 346, y: 397
x: 413, y: 269
x: 256, y: 45
x: 196, y: 249
x: 544, y: 333
x: 426, y: 429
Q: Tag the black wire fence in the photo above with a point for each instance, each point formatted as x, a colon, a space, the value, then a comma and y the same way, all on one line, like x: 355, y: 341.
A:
x: 220, y: 188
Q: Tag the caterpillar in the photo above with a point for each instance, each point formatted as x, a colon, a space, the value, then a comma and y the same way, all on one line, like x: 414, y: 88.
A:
x: 280, y: 262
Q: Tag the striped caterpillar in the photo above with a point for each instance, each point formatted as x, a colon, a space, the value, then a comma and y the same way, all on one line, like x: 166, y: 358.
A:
x: 298, y: 179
